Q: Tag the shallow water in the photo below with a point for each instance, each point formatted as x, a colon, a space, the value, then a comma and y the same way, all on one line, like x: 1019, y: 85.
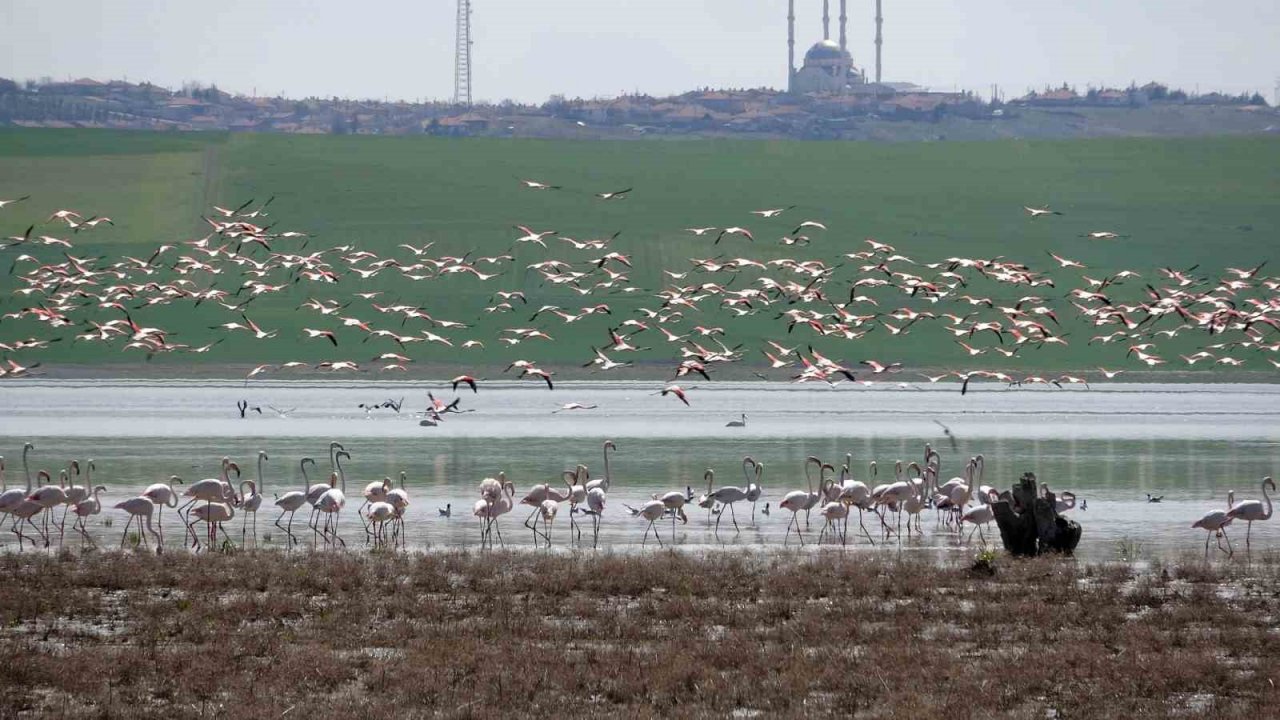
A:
x: 1111, y: 445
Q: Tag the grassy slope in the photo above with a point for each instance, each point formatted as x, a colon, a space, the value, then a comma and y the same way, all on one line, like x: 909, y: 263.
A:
x: 1183, y: 201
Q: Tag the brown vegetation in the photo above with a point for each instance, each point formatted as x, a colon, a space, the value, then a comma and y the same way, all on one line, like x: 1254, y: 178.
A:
x: 473, y: 634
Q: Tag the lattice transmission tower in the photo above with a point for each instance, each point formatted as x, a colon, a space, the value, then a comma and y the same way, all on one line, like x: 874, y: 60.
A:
x: 462, y: 56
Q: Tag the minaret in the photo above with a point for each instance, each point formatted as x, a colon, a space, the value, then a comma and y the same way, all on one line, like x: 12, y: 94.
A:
x: 791, y: 44
x: 826, y: 19
x: 879, y: 39
x: 844, y: 22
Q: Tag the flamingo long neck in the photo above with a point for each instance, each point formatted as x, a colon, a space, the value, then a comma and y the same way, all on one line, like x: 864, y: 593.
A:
x: 897, y: 471
x: 4, y: 482
x: 173, y: 496
x: 306, y: 481
x: 97, y: 501
x: 746, y: 474
x: 260, y: 484
x: 608, y: 479
x: 1266, y: 498
x: 26, y: 469
x: 88, y: 475
x: 341, y: 475
x: 710, y: 477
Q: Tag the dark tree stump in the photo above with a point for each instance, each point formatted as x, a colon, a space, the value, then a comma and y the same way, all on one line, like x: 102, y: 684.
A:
x: 1030, y: 524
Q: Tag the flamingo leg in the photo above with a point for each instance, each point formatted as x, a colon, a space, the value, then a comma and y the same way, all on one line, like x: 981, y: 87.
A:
x: 733, y: 518
x: 864, y: 528
x: 1230, y: 551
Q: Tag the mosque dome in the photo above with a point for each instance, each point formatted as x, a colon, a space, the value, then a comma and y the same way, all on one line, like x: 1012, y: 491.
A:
x: 825, y: 50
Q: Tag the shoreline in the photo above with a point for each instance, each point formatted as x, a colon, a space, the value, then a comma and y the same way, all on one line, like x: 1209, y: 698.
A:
x: 480, y: 634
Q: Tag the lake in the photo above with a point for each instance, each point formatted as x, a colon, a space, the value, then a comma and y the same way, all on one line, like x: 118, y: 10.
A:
x: 1111, y: 445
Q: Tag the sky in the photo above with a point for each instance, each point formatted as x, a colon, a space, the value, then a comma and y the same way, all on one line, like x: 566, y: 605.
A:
x: 528, y: 50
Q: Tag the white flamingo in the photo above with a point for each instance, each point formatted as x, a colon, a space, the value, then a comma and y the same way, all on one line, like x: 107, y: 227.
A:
x: 214, y: 514
x: 653, y: 511
x: 726, y: 496
x: 210, y: 490
x: 291, y: 501
x: 86, y: 509
x: 604, y: 482
x: 497, y: 499
x: 754, y: 490
x: 163, y: 495
x: 139, y: 509
x: 398, y: 499
x: 595, y: 505
x: 48, y: 497
x: 1215, y: 523
x: 1251, y: 511
x: 378, y: 513
x: 251, y: 501
x: 330, y: 506
x: 978, y: 515
x: 25, y: 509
x: 798, y: 500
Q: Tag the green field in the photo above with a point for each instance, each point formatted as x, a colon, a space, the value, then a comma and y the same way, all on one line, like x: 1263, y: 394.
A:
x: 1211, y: 202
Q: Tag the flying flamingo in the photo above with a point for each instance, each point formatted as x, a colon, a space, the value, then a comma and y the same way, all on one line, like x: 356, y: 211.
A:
x: 1252, y: 511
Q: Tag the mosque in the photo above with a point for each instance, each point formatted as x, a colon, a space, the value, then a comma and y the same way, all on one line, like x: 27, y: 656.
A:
x: 828, y: 66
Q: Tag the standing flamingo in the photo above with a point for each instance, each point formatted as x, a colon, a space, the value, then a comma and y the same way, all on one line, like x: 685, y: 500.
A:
x: 48, y: 497
x: 605, y: 481
x: 163, y: 495
x: 330, y: 505
x: 595, y: 505
x: 139, y: 508
x: 25, y: 509
x: 292, y: 500
x: 1215, y: 523
x: 726, y: 496
x: 653, y: 511
x: 1251, y: 511
x: 398, y: 499
x: 798, y: 500
x: 214, y: 514
x: 251, y: 501
x: 86, y: 509
x: 497, y: 499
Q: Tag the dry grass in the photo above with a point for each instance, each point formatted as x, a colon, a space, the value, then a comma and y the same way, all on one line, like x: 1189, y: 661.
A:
x: 470, y: 634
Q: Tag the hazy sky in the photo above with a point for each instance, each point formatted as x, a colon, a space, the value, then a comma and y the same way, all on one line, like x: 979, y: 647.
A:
x: 530, y: 49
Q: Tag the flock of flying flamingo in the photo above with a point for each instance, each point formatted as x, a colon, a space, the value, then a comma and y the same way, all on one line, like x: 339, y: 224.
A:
x: 84, y: 299
x: 964, y: 501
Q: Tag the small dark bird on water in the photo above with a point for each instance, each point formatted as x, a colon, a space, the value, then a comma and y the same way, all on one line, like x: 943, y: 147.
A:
x: 445, y: 511
x: 1154, y: 498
